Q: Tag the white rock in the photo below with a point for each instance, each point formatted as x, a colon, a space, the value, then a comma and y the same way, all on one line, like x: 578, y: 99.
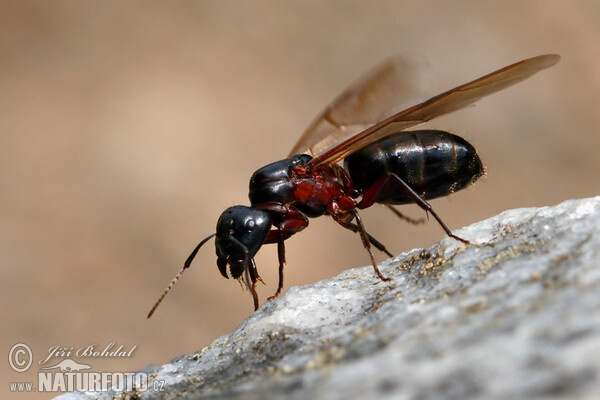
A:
x: 515, y: 316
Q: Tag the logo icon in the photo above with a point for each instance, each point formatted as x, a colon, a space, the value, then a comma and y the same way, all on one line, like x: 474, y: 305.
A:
x: 20, y: 357
x: 68, y: 365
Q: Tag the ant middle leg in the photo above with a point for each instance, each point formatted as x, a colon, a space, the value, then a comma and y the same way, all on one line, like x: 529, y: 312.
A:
x: 354, y: 228
x: 365, y: 237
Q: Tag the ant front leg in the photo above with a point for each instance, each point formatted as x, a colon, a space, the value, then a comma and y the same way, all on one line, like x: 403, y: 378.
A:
x: 292, y: 221
x: 251, y: 277
x: 278, y: 236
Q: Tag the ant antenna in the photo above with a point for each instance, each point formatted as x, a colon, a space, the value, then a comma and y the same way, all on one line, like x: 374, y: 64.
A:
x: 186, y: 265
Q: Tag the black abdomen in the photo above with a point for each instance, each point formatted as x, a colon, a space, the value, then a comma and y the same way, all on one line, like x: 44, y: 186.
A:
x: 434, y: 164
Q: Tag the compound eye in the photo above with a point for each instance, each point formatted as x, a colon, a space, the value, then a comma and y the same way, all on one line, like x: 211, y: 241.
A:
x: 250, y: 224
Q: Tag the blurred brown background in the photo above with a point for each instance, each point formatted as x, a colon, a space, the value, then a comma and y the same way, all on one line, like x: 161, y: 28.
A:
x: 127, y: 127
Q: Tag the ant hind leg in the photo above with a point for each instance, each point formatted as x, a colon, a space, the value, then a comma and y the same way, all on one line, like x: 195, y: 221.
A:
x: 406, y: 218
x: 425, y: 206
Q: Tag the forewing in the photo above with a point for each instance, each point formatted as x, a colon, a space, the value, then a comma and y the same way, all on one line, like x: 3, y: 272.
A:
x: 444, y: 103
x: 384, y: 91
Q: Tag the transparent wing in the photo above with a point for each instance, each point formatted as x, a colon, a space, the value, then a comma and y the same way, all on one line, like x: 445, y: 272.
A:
x: 384, y: 91
x: 444, y: 103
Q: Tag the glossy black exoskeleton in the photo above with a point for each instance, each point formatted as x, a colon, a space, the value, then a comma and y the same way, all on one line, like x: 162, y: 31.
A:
x: 384, y: 164
x: 272, y: 183
x: 240, y: 233
x: 433, y: 163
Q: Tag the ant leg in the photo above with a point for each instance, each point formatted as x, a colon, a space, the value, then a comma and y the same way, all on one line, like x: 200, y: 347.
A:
x: 367, y: 245
x: 424, y: 205
x: 250, y: 273
x: 370, y: 195
x: 251, y: 279
x: 281, y: 257
x: 404, y: 217
x: 293, y: 221
x: 378, y: 245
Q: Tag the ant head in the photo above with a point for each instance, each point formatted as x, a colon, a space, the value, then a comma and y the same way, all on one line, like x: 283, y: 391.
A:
x: 241, y: 232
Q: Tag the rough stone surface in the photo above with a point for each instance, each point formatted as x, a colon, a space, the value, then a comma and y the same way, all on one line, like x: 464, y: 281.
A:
x: 516, y: 315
